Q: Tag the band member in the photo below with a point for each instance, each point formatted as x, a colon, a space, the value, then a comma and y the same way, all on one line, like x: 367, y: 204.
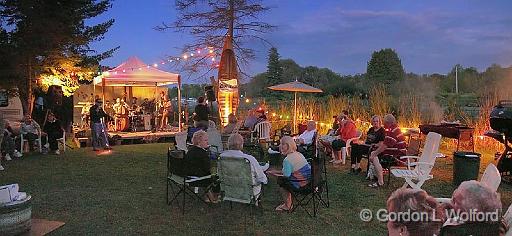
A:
x: 146, y: 106
x: 98, y: 129
x: 134, y: 105
x: 166, y: 113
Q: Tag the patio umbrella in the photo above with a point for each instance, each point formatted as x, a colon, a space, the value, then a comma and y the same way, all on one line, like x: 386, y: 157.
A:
x: 295, y: 87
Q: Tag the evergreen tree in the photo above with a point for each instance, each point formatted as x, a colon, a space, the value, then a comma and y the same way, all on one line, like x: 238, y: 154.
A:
x: 274, y: 71
x: 385, y: 67
x: 51, y: 39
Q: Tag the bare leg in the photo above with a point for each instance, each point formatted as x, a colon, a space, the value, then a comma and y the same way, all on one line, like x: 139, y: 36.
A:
x: 378, y: 169
x: 287, y: 197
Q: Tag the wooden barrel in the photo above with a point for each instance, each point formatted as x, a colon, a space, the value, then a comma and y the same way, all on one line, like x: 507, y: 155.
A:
x: 15, y: 218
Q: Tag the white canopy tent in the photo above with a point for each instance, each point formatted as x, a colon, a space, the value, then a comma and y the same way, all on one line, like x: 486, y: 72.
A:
x: 136, y: 73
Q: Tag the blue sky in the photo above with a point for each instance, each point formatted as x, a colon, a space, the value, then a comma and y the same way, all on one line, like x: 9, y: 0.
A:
x: 429, y: 36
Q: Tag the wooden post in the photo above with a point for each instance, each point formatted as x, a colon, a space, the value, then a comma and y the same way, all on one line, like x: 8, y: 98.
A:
x: 179, y: 103
x: 103, y: 92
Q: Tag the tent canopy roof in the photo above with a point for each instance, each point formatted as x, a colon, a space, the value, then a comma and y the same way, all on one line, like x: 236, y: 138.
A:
x: 134, y: 72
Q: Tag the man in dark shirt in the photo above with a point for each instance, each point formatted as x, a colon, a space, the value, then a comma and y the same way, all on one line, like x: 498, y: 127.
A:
x: 98, y: 129
x: 53, y: 131
x: 202, y: 113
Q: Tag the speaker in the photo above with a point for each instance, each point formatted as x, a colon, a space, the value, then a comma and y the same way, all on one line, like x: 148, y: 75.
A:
x: 54, y: 96
x: 210, y: 94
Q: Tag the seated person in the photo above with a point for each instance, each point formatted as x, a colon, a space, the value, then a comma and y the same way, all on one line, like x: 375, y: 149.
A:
x: 8, y: 145
x: 250, y: 120
x: 374, y: 136
x: 53, y: 131
x: 30, y: 130
x: 335, y: 126
x: 235, y: 146
x: 346, y: 131
x: 306, y: 138
x: 198, y: 163
x: 230, y: 127
x: 473, y: 198
x: 296, y: 172
x: 405, y: 203
x: 393, y: 139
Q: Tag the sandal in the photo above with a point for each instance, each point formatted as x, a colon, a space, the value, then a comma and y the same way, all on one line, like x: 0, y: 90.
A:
x: 375, y: 185
x: 282, y: 207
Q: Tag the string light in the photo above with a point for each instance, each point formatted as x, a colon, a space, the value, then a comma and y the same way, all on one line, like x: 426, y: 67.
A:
x: 186, y: 56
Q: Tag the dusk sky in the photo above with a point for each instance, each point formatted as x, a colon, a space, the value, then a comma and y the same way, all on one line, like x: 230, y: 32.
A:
x: 429, y: 36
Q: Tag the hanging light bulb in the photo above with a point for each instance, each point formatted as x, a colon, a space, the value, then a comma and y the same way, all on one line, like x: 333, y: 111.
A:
x: 185, y: 56
x: 155, y: 65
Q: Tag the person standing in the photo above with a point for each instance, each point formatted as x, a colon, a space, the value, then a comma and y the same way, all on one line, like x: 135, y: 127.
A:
x: 53, y: 131
x: 167, y: 112
x: 98, y: 129
x: 202, y: 113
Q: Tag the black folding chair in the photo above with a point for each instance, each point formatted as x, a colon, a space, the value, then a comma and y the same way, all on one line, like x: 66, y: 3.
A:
x: 316, y: 192
x: 179, y: 183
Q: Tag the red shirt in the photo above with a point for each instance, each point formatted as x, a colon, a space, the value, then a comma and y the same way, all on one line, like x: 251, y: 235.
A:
x: 395, y: 139
x: 347, y: 131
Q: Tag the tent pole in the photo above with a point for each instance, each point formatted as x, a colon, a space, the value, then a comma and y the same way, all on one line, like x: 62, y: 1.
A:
x: 103, y: 92
x: 179, y: 103
x: 295, y: 114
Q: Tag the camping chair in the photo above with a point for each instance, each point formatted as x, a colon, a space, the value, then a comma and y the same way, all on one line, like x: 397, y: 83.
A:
x: 38, y: 141
x: 178, y: 182
x: 419, y: 171
x: 310, y: 150
x: 181, y: 141
x: 215, y: 141
x: 235, y: 177
x: 345, y: 151
x: 316, y: 192
x: 491, y: 177
x: 261, y: 132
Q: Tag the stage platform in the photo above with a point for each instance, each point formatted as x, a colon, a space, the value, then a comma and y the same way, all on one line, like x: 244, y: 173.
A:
x: 143, y: 134
x: 121, y: 138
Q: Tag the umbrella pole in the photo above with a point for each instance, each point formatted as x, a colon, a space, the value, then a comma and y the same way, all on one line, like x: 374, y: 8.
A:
x: 295, y: 114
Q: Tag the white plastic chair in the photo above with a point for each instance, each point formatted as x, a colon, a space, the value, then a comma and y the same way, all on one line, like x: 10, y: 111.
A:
x: 181, y: 141
x: 62, y: 141
x: 262, y: 130
x: 38, y: 141
x: 345, y: 151
x: 419, y: 171
x: 491, y: 177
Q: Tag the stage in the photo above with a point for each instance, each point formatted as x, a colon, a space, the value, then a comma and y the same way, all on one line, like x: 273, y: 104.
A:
x: 121, y: 138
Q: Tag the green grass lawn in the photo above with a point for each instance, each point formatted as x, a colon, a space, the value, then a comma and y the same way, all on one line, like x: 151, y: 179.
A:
x: 124, y: 194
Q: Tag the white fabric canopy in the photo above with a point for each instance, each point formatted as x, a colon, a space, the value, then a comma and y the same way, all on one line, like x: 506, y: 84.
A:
x: 134, y: 72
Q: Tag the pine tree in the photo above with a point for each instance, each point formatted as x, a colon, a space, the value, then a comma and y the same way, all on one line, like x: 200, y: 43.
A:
x: 385, y: 67
x: 274, y: 71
